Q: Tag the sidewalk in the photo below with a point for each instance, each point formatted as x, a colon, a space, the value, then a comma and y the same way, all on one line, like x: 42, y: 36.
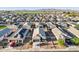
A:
x: 72, y: 48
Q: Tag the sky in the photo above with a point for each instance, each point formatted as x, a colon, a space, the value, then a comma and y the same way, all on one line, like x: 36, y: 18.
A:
x: 37, y: 8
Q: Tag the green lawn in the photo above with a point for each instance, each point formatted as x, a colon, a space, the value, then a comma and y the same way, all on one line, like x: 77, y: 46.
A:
x: 33, y: 12
x: 29, y: 12
x: 2, y: 27
x: 77, y: 26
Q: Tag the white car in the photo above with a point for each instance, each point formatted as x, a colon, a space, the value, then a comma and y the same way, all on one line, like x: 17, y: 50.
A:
x: 36, y: 43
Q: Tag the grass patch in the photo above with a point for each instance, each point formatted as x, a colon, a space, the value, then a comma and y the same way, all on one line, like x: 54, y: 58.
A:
x: 34, y: 12
x: 77, y: 26
x: 29, y: 12
x: 2, y: 27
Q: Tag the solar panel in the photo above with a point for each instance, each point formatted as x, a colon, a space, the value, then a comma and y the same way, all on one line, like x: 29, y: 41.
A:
x: 5, y: 31
x: 42, y: 33
x: 23, y: 33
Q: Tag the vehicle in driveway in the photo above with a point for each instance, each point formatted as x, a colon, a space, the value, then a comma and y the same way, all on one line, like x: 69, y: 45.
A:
x: 36, y: 43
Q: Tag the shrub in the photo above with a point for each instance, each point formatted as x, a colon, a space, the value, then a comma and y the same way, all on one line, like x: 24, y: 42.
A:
x: 61, y: 42
x: 75, y: 40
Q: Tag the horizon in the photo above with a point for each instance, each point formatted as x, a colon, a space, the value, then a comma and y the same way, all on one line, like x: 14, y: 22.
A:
x: 38, y: 8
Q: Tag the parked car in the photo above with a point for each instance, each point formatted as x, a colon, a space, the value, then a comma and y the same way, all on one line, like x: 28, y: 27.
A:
x: 36, y: 43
